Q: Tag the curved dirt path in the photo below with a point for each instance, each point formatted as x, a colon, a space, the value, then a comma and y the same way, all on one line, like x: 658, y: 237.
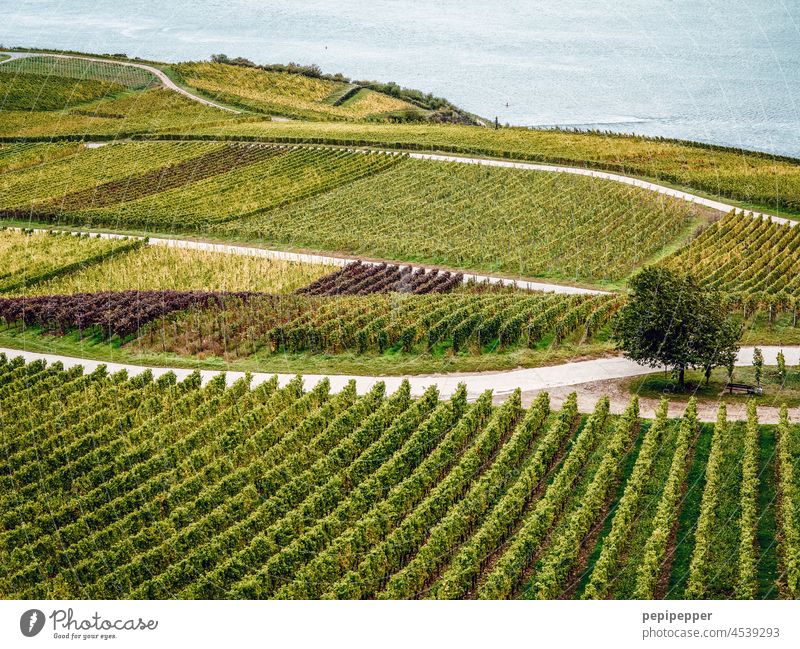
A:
x: 159, y: 74
x: 590, y: 379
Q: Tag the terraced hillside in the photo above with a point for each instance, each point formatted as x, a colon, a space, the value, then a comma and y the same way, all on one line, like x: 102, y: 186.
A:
x: 282, y: 492
x: 57, y: 68
x: 29, y: 259
x: 745, y: 257
x: 290, y: 95
x: 753, y: 178
x: 532, y: 224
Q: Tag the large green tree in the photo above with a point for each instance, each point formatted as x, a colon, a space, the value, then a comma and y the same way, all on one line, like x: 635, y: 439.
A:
x: 672, y: 321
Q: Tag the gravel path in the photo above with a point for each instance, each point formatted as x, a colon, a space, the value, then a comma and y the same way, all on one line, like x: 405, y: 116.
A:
x: 162, y: 77
x: 590, y: 379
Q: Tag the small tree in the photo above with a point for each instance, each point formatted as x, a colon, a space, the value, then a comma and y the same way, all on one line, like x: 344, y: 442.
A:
x: 729, y: 367
x: 670, y: 320
x: 781, y: 367
x: 758, y: 364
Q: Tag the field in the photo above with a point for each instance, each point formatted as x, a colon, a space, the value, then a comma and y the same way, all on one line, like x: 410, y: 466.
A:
x: 151, y: 110
x: 377, y: 324
x: 69, y: 68
x: 290, y: 95
x: 275, y: 177
x: 161, y: 268
x: 50, y: 183
x: 19, y: 156
x: 116, y: 486
x: 281, y: 492
x: 531, y: 224
x: 30, y: 259
x: 32, y: 92
x: 747, y: 257
x: 751, y: 178
x: 168, y: 186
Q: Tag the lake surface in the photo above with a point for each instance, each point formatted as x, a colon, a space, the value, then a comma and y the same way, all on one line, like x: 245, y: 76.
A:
x: 726, y: 72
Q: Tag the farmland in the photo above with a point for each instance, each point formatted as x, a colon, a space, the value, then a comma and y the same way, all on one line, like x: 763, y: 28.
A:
x: 28, y: 92
x: 461, y: 322
x: 752, y: 178
x: 55, y: 68
x: 533, y: 224
x: 279, y: 93
x: 146, y: 111
x: 29, y: 259
x: 118, y: 485
x: 747, y: 257
x: 279, y: 178
x: 161, y: 268
x: 430, y: 497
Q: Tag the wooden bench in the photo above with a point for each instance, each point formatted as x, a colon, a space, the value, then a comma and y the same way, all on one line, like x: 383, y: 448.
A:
x: 747, y: 389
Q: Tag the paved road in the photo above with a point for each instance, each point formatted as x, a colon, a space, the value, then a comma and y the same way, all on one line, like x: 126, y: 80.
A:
x: 162, y: 77
x: 581, y: 376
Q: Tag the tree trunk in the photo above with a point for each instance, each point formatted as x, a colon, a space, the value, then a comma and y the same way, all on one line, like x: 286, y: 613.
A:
x: 681, y: 377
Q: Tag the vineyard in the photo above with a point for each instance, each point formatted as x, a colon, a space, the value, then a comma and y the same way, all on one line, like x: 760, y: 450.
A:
x: 70, y: 68
x: 281, y: 491
x: 754, y: 259
x: 282, y: 177
x: 114, y: 313
x: 21, y: 191
x: 533, y: 224
x: 728, y: 173
x: 177, y: 187
x: 364, y: 279
x: 29, y: 92
x: 148, y: 111
x: 19, y: 156
x: 462, y: 322
x: 291, y: 95
x: 30, y: 259
x: 162, y: 268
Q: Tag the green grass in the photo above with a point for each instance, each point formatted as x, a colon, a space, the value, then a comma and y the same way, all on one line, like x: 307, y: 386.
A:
x: 657, y: 385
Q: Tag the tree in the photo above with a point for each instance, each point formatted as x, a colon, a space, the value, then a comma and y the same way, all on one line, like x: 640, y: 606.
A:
x: 670, y: 320
x: 758, y: 364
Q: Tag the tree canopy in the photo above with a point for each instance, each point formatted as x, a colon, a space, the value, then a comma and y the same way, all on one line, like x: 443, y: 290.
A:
x: 672, y: 321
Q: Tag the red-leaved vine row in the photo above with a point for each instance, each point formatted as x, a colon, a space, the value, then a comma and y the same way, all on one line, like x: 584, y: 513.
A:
x: 362, y: 279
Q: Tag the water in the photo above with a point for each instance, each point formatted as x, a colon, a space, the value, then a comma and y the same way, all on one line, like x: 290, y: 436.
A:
x: 718, y: 71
